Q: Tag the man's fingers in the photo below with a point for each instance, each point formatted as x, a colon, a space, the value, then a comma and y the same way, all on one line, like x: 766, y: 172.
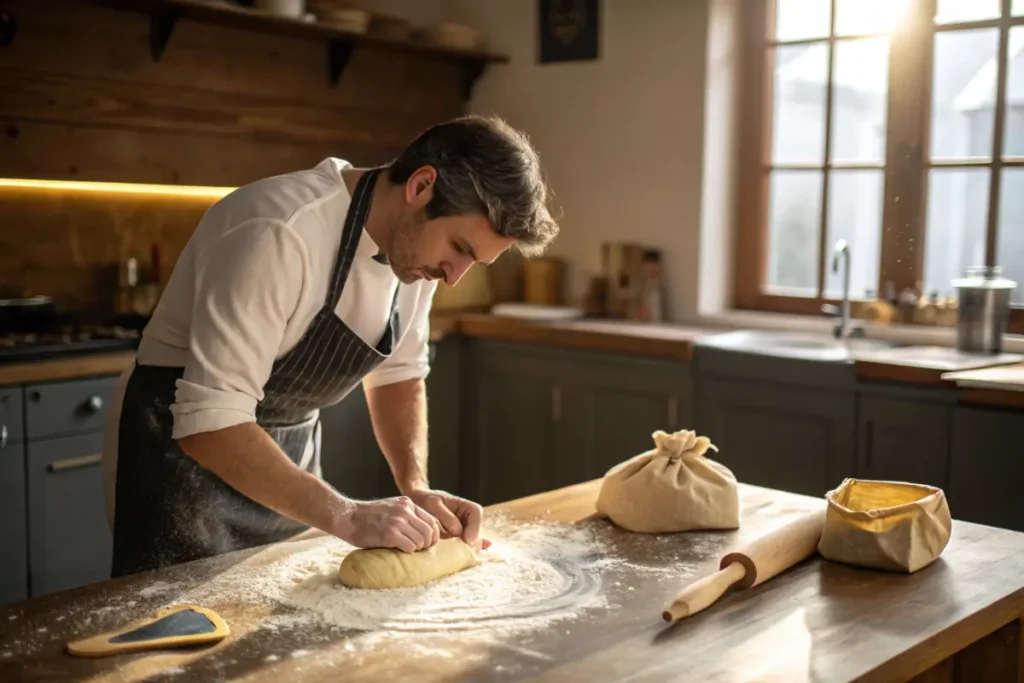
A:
x: 447, y: 518
x: 420, y: 531
x: 400, y: 539
x: 435, y: 535
x: 472, y: 516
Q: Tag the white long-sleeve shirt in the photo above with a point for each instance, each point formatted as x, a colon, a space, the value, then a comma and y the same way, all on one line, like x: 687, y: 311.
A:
x: 248, y: 284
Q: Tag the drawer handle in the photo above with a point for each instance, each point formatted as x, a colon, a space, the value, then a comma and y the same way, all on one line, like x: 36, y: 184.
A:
x: 673, y: 412
x: 3, y: 436
x: 74, y: 463
x: 94, y: 404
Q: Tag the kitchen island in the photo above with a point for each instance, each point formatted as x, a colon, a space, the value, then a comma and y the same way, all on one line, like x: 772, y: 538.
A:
x: 957, y: 619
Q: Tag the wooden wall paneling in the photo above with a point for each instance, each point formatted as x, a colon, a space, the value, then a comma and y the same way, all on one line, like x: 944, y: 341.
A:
x: 67, y: 152
x: 81, y: 98
x: 224, y: 59
x: 68, y: 245
x: 59, y: 98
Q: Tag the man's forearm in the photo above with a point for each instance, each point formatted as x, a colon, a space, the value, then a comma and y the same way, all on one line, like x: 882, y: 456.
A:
x: 399, y: 415
x: 252, y: 463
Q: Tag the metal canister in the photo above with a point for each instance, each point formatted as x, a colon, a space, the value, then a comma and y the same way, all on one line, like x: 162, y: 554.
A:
x: 983, y: 310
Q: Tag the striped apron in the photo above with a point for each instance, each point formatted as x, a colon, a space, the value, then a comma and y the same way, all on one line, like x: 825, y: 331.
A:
x: 169, y: 509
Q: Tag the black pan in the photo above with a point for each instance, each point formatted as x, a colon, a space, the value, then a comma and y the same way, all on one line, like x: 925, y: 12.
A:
x: 25, y: 315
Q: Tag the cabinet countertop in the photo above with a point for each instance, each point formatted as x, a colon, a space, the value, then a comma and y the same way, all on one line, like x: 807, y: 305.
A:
x: 923, y: 365
x: 72, y: 367
x: 1001, y: 387
x: 816, y: 619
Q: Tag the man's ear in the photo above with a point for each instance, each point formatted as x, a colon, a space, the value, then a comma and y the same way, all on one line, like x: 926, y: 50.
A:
x: 419, y: 189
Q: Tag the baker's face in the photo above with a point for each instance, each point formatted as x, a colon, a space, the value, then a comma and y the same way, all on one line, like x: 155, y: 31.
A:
x: 440, y: 248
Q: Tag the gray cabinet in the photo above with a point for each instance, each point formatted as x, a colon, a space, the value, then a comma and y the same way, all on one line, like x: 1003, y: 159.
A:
x: 444, y: 407
x: 12, y: 418
x: 781, y: 436
x: 513, y: 408
x: 538, y: 418
x: 350, y: 457
x: 69, y: 541
x: 53, y: 524
x: 905, y: 437
x: 58, y: 408
x: 13, y: 528
x: 986, y: 475
x: 613, y: 405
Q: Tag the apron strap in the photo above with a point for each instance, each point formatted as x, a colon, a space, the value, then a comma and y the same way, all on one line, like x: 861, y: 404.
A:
x: 355, y: 221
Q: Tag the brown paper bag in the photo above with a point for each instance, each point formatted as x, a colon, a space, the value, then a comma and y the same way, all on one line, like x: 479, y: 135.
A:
x: 671, y: 488
x: 888, y: 525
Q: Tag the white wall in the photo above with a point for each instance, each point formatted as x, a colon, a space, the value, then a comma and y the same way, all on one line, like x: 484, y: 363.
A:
x: 622, y: 139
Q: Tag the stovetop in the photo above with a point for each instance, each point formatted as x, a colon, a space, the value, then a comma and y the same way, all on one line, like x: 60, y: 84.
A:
x: 66, y: 340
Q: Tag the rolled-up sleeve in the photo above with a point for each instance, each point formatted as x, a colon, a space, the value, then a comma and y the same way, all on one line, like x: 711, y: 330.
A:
x: 247, y: 286
x: 411, y: 358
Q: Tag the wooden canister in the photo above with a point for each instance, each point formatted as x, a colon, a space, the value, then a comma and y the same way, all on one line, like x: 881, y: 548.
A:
x: 542, y: 280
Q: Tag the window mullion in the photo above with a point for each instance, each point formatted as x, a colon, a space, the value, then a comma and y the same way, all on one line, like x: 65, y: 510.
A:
x: 909, y: 113
x: 826, y: 172
x: 998, y: 126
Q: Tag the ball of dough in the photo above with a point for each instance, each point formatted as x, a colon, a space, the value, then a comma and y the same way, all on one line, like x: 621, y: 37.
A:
x: 383, y: 568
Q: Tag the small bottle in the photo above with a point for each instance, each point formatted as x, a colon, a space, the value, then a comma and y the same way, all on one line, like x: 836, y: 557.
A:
x: 650, y: 303
x: 128, y: 286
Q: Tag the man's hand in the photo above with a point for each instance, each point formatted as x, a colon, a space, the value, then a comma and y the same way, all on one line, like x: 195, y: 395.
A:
x: 458, y: 516
x: 389, y: 523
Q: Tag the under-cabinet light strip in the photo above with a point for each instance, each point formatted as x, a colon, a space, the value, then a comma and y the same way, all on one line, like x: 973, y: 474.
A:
x: 210, y: 192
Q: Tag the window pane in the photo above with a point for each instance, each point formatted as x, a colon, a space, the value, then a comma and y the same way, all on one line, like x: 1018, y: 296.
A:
x: 860, y: 17
x: 798, y: 117
x: 860, y: 84
x: 963, y: 93
x: 957, y: 215
x: 1018, y: 8
x: 1010, y: 252
x: 950, y: 11
x: 794, y: 216
x: 801, y: 19
x: 855, y: 214
x: 1013, y: 133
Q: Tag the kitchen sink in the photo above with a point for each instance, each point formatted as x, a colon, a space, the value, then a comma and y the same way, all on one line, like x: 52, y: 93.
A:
x: 807, y: 346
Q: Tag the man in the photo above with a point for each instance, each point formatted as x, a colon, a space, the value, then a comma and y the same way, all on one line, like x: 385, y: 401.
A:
x: 291, y: 291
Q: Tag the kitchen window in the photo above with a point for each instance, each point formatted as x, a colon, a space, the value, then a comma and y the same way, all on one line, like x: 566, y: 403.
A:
x: 897, y: 125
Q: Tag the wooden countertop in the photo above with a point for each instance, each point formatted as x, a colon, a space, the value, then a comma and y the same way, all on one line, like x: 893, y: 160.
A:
x: 1001, y: 386
x: 817, y: 621
x: 924, y: 364
x: 647, y: 339
x: 91, y: 365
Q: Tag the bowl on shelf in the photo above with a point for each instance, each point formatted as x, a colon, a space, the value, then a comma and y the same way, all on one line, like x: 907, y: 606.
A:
x: 341, y: 14
x: 452, y: 35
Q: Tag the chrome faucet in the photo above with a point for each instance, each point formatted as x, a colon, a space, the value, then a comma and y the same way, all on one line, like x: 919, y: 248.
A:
x: 843, y: 326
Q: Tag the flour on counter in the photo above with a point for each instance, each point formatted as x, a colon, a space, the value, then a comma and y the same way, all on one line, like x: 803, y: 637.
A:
x: 157, y: 588
x: 530, y: 576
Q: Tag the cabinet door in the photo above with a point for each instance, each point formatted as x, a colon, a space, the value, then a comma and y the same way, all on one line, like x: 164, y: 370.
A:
x: 514, y: 401
x: 613, y: 406
x: 444, y: 403
x: 776, y: 435
x: 986, y: 468
x: 69, y: 540
x: 902, y: 440
x: 350, y: 458
x: 13, y: 526
x: 11, y: 416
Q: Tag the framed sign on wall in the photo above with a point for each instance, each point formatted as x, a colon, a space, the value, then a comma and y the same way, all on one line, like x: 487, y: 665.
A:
x: 568, y: 30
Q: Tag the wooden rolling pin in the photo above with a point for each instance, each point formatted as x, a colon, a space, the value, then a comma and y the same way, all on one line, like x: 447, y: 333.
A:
x: 752, y: 565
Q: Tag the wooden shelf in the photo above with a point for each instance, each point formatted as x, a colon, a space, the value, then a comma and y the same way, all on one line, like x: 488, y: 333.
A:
x: 164, y: 15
